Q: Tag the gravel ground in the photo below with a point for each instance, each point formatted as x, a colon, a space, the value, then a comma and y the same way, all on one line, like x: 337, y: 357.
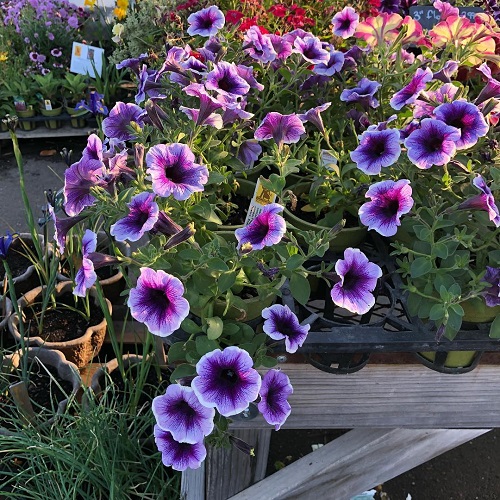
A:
x: 469, y: 472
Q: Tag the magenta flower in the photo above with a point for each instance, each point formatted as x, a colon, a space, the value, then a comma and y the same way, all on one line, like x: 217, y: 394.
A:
x: 483, y: 201
x: 434, y: 143
x: 179, y: 412
x: 174, y: 172
x: 362, y: 94
x: 281, y: 46
x: 314, y: 116
x: 259, y: 46
x: 358, y: 278
x: 492, y: 293
x: 377, y: 149
x: 142, y: 216
x: 467, y: 118
x: 410, y: 93
x: 390, y: 200
x: 117, y: 124
x: 207, y: 103
x: 213, y: 120
x: 345, y: 22
x: 226, y: 380
x: 274, y: 394
x: 265, y: 230
x: 179, y: 456
x: 157, y: 302
x: 284, y: 129
x: 281, y: 323
x: 311, y: 49
x: 86, y: 275
x: 206, y: 22
x: 225, y: 80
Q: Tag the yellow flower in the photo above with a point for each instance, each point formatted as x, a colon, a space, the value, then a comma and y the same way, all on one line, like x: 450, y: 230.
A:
x: 119, y: 13
x: 122, y: 4
x: 90, y: 4
x: 3, y: 56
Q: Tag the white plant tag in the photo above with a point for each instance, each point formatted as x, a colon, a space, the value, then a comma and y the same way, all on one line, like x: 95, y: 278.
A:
x: 261, y: 197
x: 48, y: 104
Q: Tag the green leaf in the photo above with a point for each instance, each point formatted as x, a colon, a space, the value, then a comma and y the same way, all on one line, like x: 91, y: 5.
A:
x: 441, y: 250
x: 189, y: 326
x: 226, y: 281
x: 294, y: 262
x: 267, y: 361
x: 300, y: 288
x: 495, y: 328
x: 420, y: 266
x: 454, y: 319
x: 189, y: 254
x: 176, y: 352
x: 204, y: 210
x: 204, y: 345
x: 413, y: 303
x: 437, y: 312
x: 215, y: 327
x: 275, y: 183
x: 216, y: 264
x: 231, y: 328
x: 184, y: 370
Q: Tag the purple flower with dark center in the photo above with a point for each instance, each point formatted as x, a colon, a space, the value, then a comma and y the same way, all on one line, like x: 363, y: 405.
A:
x: 117, y: 124
x: 142, y: 216
x: 410, y: 93
x: 425, y: 108
x: 265, y: 230
x: 225, y: 80
x: 86, y: 275
x: 249, y: 152
x: 5, y: 242
x: 134, y: 63
x: 390, y: 200
x: 157, y: 302
x: 281, y: 46
x: 214, y: 120
x: 377, y: 149
x: 311, y: 49
x: 492, y: 293
x: 483, y: 201
x: 467, y: 118
x: 362, y: 94
x: 358, y: 279
x: 274, y: 394
x: 226, y: 380
x: 207, y: 103
x: 174, y: 172
x: 284, y: 129
x: 281, y: 323
x: 206, y: 22
x: 334, y: 64
x: 78, y: 179
x: 179, y: 456
x: 179, y: 412
x: 434, y: 143
x: 313, y: 116
x: 345, y: 22
x: 34, y: 56
x: 492, y: 87
x: 56, y: 53
x: 259, y: 46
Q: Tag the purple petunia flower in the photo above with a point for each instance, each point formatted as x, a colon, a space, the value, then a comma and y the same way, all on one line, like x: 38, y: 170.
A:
x: 265, y: 230
x: 86, y: 275
x: 116, y: 125
x: 62, y: 226
x: 492, y: 293
x: 311, y: 49
x: 207, y: 103
x: 206, y: 22
x: 377, y: 149
x: 249, y: 152
x: 179, y: 412
x: 390, y: 200
x: 174, y: 172
x: 226, y: 380
x: 466, y: 117
x: 274, y: 394
x: 142, y: 216
x: 313, y: 116
x: 284, y: 129
x: 213, y: 120
x: 179, y: 456
x: 345, y: 22
x: 444, y: 74
x: 434, y: 143
x: 483, y: 201
x: 281, y: 46
x: 225, y: 80
x: 56, y: 53
x: 157, y: 302
x: 410, y: 93
x: 246, y: 72
x: 133, y: 63
x: 281, y: 323
x: 333, y: 65
x: 5, y: 242
x: 259, y: 46
x: 358, y: 278
x: 433, y: 98
x: 362, y: 94
x: 492, y: 87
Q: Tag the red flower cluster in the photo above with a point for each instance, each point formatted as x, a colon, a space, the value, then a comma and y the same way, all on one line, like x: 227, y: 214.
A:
x: 187, y: 5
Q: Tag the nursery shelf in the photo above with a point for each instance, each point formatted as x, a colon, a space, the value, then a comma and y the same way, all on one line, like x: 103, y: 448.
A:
x: 41, y: 132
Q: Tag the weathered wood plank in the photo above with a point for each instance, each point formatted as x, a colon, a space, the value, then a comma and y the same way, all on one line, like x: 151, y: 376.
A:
x: 193, y: 483
x: 355, y: 462
x: 410, y: 396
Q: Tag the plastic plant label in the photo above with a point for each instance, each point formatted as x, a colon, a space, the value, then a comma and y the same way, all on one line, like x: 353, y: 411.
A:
x: 366, y: 495
x: 19, y: 104
x: 84, y: 58
x: 261, y: 197
x: 47, y: 104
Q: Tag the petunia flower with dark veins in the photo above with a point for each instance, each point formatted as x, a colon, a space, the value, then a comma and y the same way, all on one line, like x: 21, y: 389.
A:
x: 259, y: 46
x: 362, y: 94
x: 281, y: 323
x: 226, y: 380
x: 206, y: 22
x: 389, y: 201
x: 174, y: 172
x: 410, y: 93
x: 86, y: 275
x: 284, y: 129
x: 274, y: 392
x: 179, y: 412
x: 116, y: 125
x: 344, y: 23
x: 157, y: 301
x: 492, y: 293
x: 333, y: 65
x: 314, y: 116
x: 358, y: 279
x: 311, y: 49
x: 484, y: 201
x: 142, y: 216
x: 225, y: 80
